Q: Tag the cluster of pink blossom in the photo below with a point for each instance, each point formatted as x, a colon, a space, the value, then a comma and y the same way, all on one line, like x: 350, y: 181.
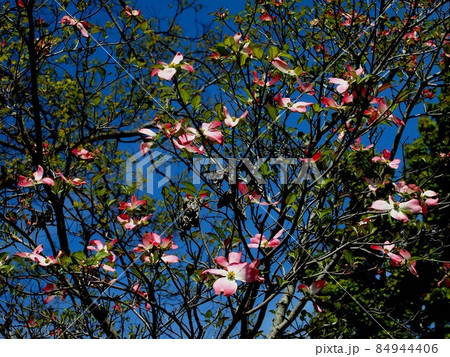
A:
x: 37, y: 257
x: 38, y: 175
x: 252, y: 196
x: 141, y: 294
x: 128, y: 221
x: 167, y: 71
x: 185, y: 138
x: 402, y: 258
x: 312, y: 290
x: 81, y: 26
x: 386, y: 159
x: 260, y: 241
x: 52, y: 291
x: 418, y: 201
x: 153, y: 249
x: 98, y: 246
x: 233, y: 270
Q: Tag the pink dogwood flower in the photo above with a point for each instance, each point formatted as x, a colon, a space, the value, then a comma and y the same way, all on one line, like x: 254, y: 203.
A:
x: 189, y: 147
x: 137, y: 290
x: 253, y: 196
x: 186, y: 141
x: 261, y: 82
x: 313, y: 290
x: 80, y: 25
x: 357, y: 146
x: 428, y: 199
x: 131, y: 12
x: 132, y: 205
x: 153, y: 247
x: 169, y: 129
x: 75, y: 181
x: 330, y: 103
x: 231, y: 122
x: 299, y: 107
x: 385, y: 159
x: 342, y: 84
x: 146, y: 145
x: 350, y: 71
x: 401, y: 187
x: 169, y: 70
x: 282, y: 66
x: 117, y: 307
x: 211, y: 132
x: 381, y: 111
x: 38, y: 258
x: 98, y: 246
x: 233, y: 270
x: 405, y: 260
x: 386, y: 249
x: 150, y: 133
x: 38, y: 179
x: 265, y: 17
x: 397, y: 210
x: 305, y: 88
x: 260, y: 241
x: 313, y: 158
x: 50, y: 290
x: 131, y: 223
x: 83, y: 154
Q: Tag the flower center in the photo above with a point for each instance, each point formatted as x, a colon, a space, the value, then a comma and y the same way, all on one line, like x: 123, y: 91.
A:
x: 231, y: 275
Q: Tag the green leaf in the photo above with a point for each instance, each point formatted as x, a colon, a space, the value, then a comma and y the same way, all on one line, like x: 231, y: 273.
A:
x: 165, y: 192
x: 102, y: 254
x: 184, y: 96
x: 265, y: 169
x: 196, y: 100
x: 96, y: 100
x: 78, y: 257
x: 349, y: 257
x: 218, y: 108
x: 242, y: 60
x: 258, y: 52
x: 291, y: 199
x: 96, y: 178
x: 272, y: 112
x: 189, y: 188
x: 273, y: 52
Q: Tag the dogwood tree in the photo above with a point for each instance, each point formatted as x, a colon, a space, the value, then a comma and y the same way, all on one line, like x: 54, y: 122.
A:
x: 277, y: 200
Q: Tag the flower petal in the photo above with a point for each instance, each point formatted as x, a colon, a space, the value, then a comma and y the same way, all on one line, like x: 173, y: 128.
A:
x: 412, y: 206
x: 399, y: 215
x: 234, y: 257
x: 170, y: 259
x: 225, y: 286
x: 381, y: 206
